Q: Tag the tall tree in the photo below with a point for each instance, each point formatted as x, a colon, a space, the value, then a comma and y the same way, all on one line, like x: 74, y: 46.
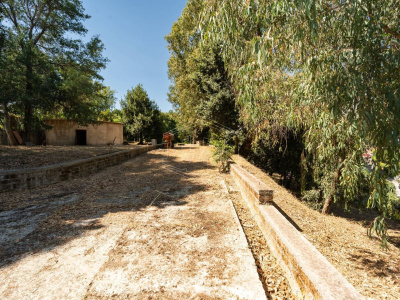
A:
x: 10, y: 78
x: 201, y: 91
x: 41, y: 31
x: 140, y: 114
x: 182, y: 41
x: 328, y: 69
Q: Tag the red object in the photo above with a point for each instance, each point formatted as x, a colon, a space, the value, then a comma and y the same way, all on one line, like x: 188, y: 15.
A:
x: 168, y: 138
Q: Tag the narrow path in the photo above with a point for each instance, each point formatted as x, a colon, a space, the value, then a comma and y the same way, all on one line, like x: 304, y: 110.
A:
x: 156, y: 227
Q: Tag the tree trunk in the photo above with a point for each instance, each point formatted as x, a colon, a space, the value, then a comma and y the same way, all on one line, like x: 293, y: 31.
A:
x: 194, y: 137
x: 141, y: 138
x: 330, y: 199
x: 27, y: 122
x: 236, y: 145
x: 28, y: 109
x: 327, y: 205
x: 8, y: 129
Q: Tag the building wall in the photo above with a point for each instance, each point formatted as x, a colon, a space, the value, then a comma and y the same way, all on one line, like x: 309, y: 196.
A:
x: 64, y: 133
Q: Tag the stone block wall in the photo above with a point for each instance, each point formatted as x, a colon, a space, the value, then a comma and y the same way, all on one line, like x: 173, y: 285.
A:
x: 310, y: 274
x: 255, y: 189
x: 35, y: 177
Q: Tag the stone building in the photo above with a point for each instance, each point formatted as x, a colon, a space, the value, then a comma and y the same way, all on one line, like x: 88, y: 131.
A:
x: 64, y: 132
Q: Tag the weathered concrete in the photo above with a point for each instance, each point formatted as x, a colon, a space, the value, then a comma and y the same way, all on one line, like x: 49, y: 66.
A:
x: 309, y: 272
x: 35, y: 177
x: 253, y: 187
x: 63, y: 132
x: 136, y: 231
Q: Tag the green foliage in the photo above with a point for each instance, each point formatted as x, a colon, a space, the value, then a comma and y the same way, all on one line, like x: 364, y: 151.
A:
x: 169, y: 123
x: 183, y: 40
x: 217, y: 101
x: 113, y: 115
x: 201, y: 91
x: 48, y: 71
x: 327, y: 70
x: 222, y: 153
x: 140, y: 115
x: 313, y: 198
x: 281, y: 157
x: 393, y: 202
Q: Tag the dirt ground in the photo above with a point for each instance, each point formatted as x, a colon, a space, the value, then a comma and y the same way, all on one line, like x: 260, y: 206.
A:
x: 342, y: 238
x: 22, y: 157
x: 156, y: 227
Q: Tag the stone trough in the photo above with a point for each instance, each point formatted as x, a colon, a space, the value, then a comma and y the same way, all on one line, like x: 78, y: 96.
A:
x: 310, y: 274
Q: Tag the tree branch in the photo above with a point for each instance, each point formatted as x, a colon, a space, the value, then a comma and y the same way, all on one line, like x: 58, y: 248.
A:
x: 11, y: 16
x: 388, y: 30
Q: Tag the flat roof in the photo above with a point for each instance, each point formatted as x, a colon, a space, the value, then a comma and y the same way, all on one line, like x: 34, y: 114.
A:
x: 107, y: 122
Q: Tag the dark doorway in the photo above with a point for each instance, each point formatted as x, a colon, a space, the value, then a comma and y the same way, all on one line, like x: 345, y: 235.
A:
x: 81, y: 137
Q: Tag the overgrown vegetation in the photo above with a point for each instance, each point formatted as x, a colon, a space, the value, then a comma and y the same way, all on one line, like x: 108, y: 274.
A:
x: 312, y: 86
x: 46, y: 71
x: 221, y: 153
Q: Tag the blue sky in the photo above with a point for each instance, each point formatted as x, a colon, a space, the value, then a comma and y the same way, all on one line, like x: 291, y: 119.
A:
x: 133, y: 33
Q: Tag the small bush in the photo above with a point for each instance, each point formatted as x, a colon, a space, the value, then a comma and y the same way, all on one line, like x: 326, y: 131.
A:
x: 222, y: 153
x: 313, y: 198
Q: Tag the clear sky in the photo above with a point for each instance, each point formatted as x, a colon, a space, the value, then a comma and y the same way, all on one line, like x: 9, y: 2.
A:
x: 133, y: 33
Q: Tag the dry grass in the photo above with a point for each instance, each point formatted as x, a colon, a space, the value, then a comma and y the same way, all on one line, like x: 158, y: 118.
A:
x: 155, y: 227
x: 273, y: 278
x: 374, y: 272
x: 22, y: 157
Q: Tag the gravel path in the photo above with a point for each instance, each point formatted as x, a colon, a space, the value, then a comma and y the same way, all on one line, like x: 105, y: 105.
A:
x: 157, y: 227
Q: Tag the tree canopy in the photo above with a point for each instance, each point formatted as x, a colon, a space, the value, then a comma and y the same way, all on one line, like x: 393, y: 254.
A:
x: 313, y: 81
x: 326, y: 69
x: 141, y: 115
x: 200, y: 89
x: 47, y: 68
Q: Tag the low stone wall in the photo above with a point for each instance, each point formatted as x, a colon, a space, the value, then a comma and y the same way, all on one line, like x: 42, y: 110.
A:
x: 30, y: 178
x: 251, y: 186
x: 310, y: 274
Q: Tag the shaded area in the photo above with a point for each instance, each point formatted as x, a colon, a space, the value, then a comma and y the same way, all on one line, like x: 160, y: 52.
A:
x: 31, y: 223
x: 373, y: 265
x: 365, y: 219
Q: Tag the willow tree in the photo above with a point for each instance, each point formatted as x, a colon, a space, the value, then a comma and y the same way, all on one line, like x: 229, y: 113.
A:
x: 327, y: 68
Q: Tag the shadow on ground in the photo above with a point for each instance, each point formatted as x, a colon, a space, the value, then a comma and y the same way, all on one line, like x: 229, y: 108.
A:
x: 373, y: 265
x: 365, y: 218
x: 44, y: 218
